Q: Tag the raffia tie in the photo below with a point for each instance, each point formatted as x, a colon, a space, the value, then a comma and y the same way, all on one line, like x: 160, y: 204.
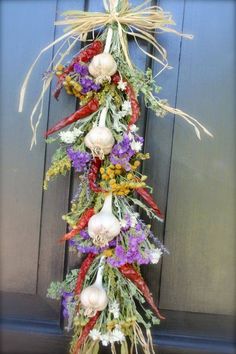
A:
x: 140, y: 22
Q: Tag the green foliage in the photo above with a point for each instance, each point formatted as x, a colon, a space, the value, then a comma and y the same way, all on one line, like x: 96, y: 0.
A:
x: 56, y: 289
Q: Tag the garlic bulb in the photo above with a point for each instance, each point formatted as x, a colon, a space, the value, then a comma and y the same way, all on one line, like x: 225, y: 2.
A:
x: 94, y: 297
x: 100, y: 139
x: 104, y: 226
x: 102, y: 67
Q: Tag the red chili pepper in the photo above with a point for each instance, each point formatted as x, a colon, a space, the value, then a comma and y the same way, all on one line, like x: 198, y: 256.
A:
x: 133, y: 99
x: 83, y: 271
x: 84, y: 111
x: 85, y: 55
x: 92, y: 176
x: 130, y: 273
x: 81, y: 224
x: 150, y: 201
x: 85, y: 332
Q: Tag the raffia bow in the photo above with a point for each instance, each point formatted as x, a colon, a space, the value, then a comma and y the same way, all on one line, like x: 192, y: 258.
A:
x: 140, y: 22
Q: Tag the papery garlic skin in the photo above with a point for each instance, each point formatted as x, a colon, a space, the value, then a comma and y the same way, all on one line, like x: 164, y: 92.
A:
x: 94, y: 297
x: 100, y: 141
x: 104, y: 226
x: 102, y: 67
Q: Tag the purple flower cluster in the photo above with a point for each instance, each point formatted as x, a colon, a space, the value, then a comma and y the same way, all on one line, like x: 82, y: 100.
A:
x: 79, y: 159
x: 122, y: 152
x: 81, y: 69
x: 133, y: 254
x: 86, y: 82
x: 66, y: 298
x: 88, y: 248
x: 88, y: 85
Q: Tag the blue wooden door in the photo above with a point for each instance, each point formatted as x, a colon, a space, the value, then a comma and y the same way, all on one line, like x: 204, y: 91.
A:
x: 194, y: 182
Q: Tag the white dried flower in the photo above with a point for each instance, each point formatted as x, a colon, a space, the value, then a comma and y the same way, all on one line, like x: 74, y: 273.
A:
x: 77, y: 132
x: 67, y: 137
x: 123, y: 223
x: 114, y: 308
x: 155, y: 255
x: 133, y: 221
x: 126, y: 106
x: 105, y: 338
x: 70, y: 136
x: 133, y: 128
x: 95, y: 334
x: 117, y: 335
x: 121, y: 85
x: 136, y: 145
x: 110, y: 337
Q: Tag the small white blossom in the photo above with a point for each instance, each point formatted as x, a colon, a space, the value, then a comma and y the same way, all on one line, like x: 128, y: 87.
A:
x: 121, y: 85
x: 117, y: 335
x: 105, y: 338
x: 133, y: 221
x: 77, y: 132
x: 123, y: 223
x: 126, y: 106
x: 67, y: 137
x: 70, y: 136
x: 155, y: 255
x: 133, y: 128
x: 95, y: 334
x: 136, y: 145
x: 114, y: 308
x: 121, y: 114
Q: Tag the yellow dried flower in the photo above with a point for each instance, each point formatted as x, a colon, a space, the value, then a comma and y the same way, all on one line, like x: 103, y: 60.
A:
x: 57, y: 168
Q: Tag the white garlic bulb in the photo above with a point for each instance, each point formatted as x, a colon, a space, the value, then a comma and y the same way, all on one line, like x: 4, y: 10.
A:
x: 102, y: 67
x: 104, y: 226
x: 94, y: 297
x: 100, y: 139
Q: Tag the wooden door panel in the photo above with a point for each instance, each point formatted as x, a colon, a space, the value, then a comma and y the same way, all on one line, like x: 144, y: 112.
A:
x: 31, y: 219
x: 200, y: 227
x: 21, y: 177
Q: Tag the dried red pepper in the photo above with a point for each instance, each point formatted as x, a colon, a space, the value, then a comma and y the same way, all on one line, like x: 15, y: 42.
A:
x: 150, y: 201
x: 84, y: 111
x: 85, y: 55
x: 132, y: 97
x: 83, y: 271
x: 85, y: 332
x: 81, y: 224
x: 130, y: 273
x: 93, y: 173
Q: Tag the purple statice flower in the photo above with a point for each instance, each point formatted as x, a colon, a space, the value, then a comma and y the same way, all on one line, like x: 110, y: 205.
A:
x: 72, y: 242
x: 88, y: 85
x: 84, y: 234
x: 81, y: 69
x: 154, y: 238
x: 66, y: 298
x: 122, y: 152
x: 133, y: 254
x: 79, y: 159
x: 95, y: 87
x: 138, y: 227
x: 87, y: 249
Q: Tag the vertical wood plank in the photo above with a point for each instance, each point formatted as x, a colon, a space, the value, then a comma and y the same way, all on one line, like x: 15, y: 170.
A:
x: 56, y: 198
x: 199, y: 275
x: 21, y: 175
x: 158, y: 133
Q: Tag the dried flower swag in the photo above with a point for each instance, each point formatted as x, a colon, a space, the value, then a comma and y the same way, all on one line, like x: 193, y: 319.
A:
x: 104, y: 301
